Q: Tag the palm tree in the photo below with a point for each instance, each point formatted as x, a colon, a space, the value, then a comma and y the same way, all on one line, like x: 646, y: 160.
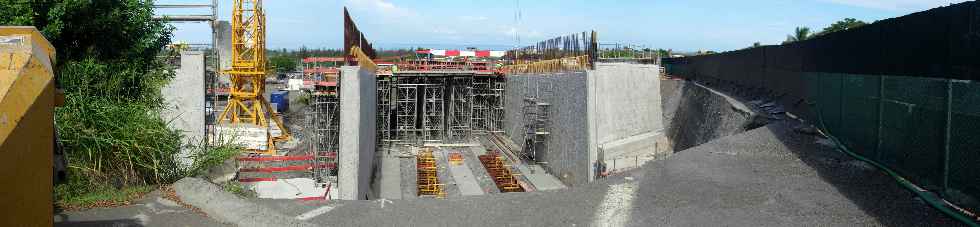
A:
x: 801, y: 33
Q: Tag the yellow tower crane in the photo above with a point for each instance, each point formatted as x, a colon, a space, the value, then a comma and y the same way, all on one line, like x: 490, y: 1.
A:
x: 246, y: 103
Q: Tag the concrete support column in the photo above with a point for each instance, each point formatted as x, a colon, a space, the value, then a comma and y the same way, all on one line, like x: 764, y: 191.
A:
x: 358, y: 109
x: 184, y: 99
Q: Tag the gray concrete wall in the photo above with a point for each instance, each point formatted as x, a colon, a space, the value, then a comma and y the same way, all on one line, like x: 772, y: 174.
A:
x: 567, y: 145
x: 358, y: 95
x: 614, y: 109
x: 184, y: 100
x: 625, y: 111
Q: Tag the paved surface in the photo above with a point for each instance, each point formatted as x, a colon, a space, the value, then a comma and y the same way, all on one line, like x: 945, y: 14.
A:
x: 152, y: 210
x: 538, y: 177
x: 464, y: 178
x: 391, y: 176
x: 769, y: 176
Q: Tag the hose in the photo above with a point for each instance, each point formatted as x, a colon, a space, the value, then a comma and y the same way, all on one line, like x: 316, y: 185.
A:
x: 929, y: 198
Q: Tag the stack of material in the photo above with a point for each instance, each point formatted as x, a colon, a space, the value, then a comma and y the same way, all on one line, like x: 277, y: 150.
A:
x: 428, y: 181
x: 500, y: 172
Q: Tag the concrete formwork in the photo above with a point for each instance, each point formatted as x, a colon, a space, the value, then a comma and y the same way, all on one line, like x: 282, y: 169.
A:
x: 358, y: 111
x: 184, y: 98
x: 615, y: 108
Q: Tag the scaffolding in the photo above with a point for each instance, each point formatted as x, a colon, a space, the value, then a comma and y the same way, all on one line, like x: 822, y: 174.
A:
x: 324, y: 118
x: 496, y: 105
x: 488, y: 108
x: 433, y: 109
x: 385, y: 110
x: 460, y: 108
x: 536, y: 118
x: 406, y: 110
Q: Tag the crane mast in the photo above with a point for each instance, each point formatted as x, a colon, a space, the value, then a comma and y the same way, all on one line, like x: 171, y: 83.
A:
x: 246, y: 103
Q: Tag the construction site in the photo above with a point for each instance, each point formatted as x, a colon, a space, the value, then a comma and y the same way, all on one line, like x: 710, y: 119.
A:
x: 836, y: 130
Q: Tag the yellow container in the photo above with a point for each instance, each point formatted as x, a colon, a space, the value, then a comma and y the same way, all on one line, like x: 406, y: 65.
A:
x: 27, y: 101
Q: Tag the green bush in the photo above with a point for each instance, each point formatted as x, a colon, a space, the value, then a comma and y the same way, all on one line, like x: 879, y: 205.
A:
x: 118, y: 144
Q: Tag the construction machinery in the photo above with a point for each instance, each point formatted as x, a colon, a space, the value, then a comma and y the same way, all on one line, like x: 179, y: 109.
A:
x: 27, y: 133
x: 247, y: 107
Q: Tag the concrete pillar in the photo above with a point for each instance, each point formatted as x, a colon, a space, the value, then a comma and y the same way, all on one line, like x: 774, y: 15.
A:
x: 184, y: 100
x: 223, y: 46
x: 358, y: 109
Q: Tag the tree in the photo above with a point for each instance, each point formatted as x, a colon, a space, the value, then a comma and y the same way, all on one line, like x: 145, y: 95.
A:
x: 756, y: 44
x: 283, y: 63
x: 800, y: 34
x: 842, y: 25
x: 108, y: 65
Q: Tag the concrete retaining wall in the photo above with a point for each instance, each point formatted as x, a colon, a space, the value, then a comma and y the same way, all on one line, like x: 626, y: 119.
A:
x: 567, y: 145
x: 695, y: 114
x: 184, y: 100
x: 627, y: 112
x: 614, y: 107
x: 358, y: 132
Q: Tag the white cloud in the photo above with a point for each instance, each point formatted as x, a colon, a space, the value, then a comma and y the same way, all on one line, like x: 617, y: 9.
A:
x: 380, y: 6
x: 896, y: 5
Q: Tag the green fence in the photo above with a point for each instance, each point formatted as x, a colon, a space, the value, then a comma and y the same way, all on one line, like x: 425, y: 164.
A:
x: 926, y: 129
x: 903, y: 92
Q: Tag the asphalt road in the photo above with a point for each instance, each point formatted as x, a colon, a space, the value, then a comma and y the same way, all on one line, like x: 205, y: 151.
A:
x: 151, y: 210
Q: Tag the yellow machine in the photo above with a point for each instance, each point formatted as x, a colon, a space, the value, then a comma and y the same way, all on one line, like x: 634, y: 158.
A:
x: 246, y: 103
x: 27, y: 101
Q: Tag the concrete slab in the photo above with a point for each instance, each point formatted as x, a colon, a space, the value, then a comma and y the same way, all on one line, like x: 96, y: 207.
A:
x: 293, y: 188
x: 539, y: 178
x: 442, y: 171
x: 465, y: 179
x: 228, y: 208
x: 409, y: 178
x: 480, y: 172
x: 391, y: 176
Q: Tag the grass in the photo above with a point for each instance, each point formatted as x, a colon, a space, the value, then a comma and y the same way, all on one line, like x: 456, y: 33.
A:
x: 108, y: 197
x: 80, y: 192
x: 238, y: 189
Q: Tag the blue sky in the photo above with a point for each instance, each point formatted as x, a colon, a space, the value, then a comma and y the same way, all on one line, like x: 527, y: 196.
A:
x: 685, y: 25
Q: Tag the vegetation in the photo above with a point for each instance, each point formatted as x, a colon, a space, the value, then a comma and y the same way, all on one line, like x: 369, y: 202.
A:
x: 804, y: 33
x: 108, y: 63
x: 842, y: 25
x: 238, y: 189
x: 800, y: 34
x: 283, y: 63
x: 109, y: 197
